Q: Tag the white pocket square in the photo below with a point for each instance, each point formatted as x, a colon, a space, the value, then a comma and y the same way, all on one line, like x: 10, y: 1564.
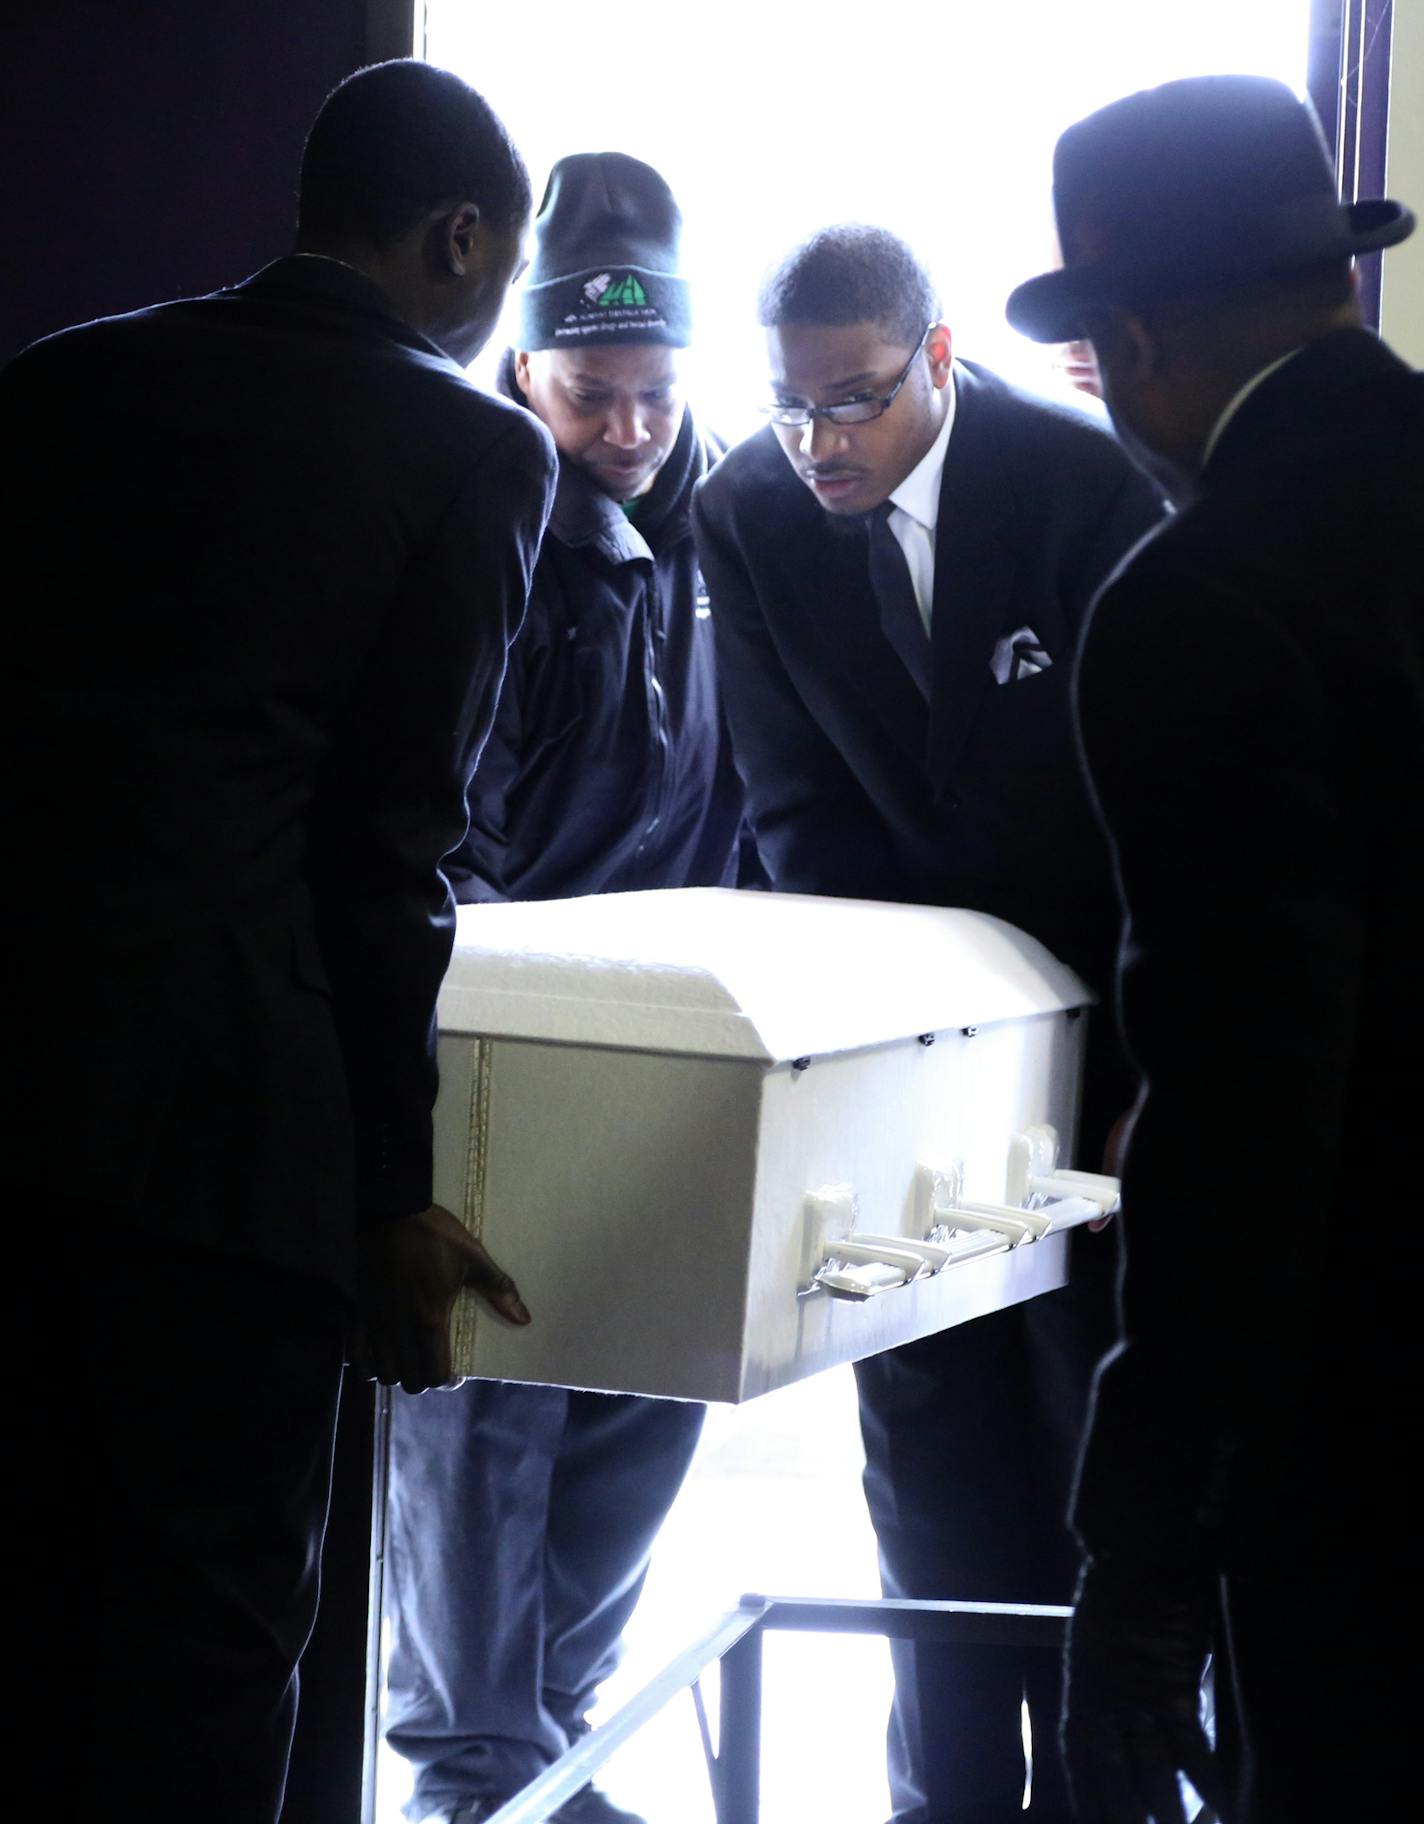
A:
x: 1019, y: 655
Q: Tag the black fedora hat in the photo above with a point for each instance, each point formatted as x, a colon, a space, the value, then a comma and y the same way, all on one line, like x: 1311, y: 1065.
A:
x: 1202, y: 183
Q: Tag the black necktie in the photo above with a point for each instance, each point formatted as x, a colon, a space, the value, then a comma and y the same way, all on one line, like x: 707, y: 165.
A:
x: 900, y: 618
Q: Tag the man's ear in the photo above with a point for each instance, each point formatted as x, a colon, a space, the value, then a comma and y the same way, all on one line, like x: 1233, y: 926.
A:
x: 1139, y: 348
x: 458, y: 233
x: 939, y: 346
x: 1127, y: 348
x: 521, y: 370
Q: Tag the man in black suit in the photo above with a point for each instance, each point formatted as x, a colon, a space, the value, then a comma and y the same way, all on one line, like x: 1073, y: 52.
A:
x: 1251, y: 702
x: 898, y: 568
x: 274, y: 546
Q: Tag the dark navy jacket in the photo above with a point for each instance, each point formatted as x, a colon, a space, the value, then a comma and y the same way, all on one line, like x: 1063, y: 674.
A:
x: 608, y: 767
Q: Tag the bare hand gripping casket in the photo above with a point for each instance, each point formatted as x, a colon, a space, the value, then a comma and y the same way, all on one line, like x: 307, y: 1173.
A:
x: 723, y: 1140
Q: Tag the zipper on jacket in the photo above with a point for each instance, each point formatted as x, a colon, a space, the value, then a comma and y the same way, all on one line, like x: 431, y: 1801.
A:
x: 657, y: 713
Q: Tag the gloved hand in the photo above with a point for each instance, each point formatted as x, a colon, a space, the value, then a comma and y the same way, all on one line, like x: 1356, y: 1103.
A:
x: 1137, y: 1646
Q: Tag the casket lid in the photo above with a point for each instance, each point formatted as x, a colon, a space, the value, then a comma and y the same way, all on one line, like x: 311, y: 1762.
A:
x: 720, y: 973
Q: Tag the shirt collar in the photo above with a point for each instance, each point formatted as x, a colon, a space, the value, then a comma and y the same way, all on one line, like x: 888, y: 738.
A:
x: 330, y: 259
x: 1235, y: 404
x: 918, y: 494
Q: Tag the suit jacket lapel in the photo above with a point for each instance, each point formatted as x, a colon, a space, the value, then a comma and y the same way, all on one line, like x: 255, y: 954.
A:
x: 974, y: 572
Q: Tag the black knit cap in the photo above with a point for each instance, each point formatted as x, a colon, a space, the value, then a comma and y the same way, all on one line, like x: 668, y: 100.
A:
x: 1205, y: 182
x: 605, y: 267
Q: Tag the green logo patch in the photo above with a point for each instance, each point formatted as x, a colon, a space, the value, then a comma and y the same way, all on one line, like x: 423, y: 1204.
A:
x: 626, y: 290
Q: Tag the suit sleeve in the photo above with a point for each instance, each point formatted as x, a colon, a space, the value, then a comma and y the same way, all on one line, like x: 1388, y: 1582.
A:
x: 477, y: 870
x: 1133, y: 509
x: 1209, y: 744
x: 393, y: 804
x: 814, y: 829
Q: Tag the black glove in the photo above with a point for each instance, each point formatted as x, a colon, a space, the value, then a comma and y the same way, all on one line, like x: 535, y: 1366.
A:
x: 1137, y: 1647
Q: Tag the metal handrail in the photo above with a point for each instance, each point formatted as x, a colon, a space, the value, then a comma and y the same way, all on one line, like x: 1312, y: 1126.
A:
x: 970, y: 1624
x: 577, y: 1766
x: 735, y: 1644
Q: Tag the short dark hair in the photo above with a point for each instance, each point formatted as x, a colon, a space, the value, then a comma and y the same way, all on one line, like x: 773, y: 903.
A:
x: 851, y: 274
x: 397, y: 139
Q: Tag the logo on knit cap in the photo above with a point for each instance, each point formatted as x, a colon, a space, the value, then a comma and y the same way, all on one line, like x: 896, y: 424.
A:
x: 612, y: 305
x: 626, y: 290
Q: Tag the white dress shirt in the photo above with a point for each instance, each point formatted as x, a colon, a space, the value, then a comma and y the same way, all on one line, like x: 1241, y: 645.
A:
x: 915, y: 511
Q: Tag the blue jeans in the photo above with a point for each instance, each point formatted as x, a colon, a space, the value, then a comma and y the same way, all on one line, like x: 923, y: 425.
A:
x: 521, y: 1522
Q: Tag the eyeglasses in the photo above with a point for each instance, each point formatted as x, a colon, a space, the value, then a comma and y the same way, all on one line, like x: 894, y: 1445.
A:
x: 848, y: 411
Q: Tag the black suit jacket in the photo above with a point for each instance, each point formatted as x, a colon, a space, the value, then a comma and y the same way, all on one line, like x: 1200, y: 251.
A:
x: 274, y: 546
x: 854, y: 786
x: 1252, y: 710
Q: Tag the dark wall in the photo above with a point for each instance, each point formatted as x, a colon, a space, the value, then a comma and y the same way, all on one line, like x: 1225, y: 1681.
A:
x: 151, y: 146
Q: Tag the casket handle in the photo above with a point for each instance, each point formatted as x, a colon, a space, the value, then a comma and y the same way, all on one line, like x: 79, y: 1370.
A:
x: 840, y: 1259
x: 872, y: 1264
x: 1034, y: 1172
x: 1016, y: 1226
x: 888, y: 1250
x: 1020, y: 1225
x: 932, y: 1256
x: 1097, y: 1187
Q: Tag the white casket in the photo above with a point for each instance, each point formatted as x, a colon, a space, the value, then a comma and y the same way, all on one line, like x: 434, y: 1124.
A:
x: 661, y: 1112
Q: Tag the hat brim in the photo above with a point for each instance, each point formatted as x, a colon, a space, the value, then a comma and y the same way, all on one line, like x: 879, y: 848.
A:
x: 1060, y: 306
